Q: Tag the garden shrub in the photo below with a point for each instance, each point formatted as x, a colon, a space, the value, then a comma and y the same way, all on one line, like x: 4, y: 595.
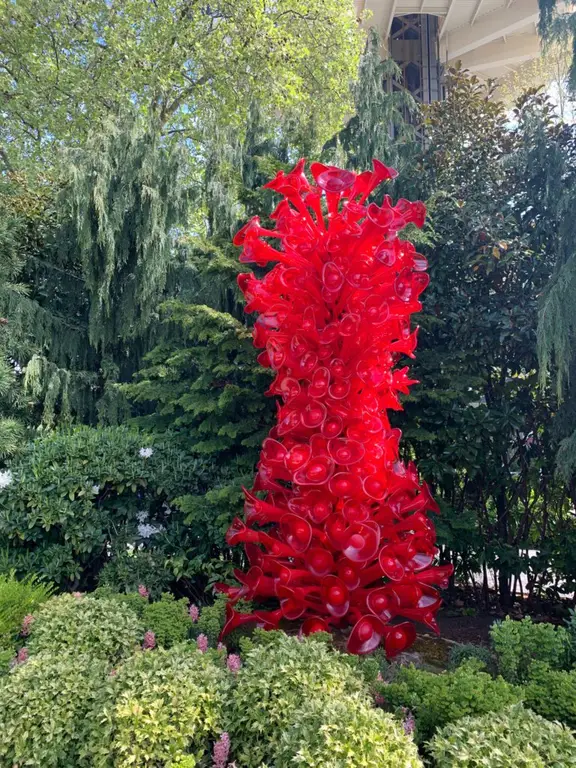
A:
x: 518, y: 643
x: 105, y: 629
x: 369, y: 666
x: 133, y: 600
x: 7, y: 654
x: 169, y: 620
x: 167, y: 704
x: 512, y: 738
x: 213, y: 617
x: 128, y: 567
x: 344, y: 733
x: 91, y: 499
x: 279, y: 673
x: 552, y: 693
x: 50, y: 707
x: 463, y: 651
x: 436, y: 700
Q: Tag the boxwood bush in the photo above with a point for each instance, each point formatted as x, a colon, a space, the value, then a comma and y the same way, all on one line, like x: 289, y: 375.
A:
x: 344, y: 733
x: 512, y: 738
x: 552, y: 693
x: 50, y: 709
x: 167, y: 706
x: 106, y: 629
x: 169, y: 620
x: 518, y: 643
x: 437, y: 700
x: 279, y: 673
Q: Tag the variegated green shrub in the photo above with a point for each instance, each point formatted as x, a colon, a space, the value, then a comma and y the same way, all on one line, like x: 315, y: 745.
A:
x: 345, y: 733
x: 513, y: 738
x: 50, y: 710
x: 105, y: 629
x: 167, y: 706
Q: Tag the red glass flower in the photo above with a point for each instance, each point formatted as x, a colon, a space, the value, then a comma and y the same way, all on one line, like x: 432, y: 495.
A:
x: 336, y: 528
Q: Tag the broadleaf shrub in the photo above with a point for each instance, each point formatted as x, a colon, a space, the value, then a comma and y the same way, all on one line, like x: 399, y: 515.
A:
x: 512, y: 738
x: 437, y: 700
x: 167, y: 706
x: 552, y: 693
x: 79, y: 498
x: 50, y: 708
x: 345, y: 733
x: 518, y: 643
x: 105, y: 629
x: 278, y: 674
x: 169, y: 620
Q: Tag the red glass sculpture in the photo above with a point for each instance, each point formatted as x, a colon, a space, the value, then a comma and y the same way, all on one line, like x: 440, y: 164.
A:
x: 335, y: 528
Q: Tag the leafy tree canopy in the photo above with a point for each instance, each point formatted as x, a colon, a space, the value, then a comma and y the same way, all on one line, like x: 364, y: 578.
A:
x: 64, y: 64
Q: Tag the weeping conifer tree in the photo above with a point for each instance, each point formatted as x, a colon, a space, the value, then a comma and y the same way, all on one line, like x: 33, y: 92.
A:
x: 558, y: 25
x: 127, y: 198
x: 11, y: 428
x: 27, y: 327
x: 95, y: 249
x: 202, y: 382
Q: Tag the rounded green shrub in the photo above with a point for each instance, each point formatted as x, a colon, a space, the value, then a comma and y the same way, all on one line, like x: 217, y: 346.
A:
x: 463, y: 651
x: 168, y: 619
x: 513, y: 738
x: 50, y: 708
x: 105, y: 629
x: 518, y: 643
x: 344, y: 733
x: 436, y: 700
x: 552, y: 693
x: 213, y: 617
x: 278, y: 674
x: 167, y: 705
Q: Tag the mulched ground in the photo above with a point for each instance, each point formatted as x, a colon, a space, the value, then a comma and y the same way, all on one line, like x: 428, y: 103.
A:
x: 466, y: 629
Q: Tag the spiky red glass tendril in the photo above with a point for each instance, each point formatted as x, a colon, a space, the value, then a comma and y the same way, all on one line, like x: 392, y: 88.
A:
x: 341, y: 536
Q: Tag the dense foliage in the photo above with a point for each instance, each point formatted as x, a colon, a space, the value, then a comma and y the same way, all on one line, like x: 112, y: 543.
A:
x: 460, y: 653
x: 51, y: 710
x: 104, y: 629
x: 77, y: 500
x: 276, y: 677
x: 518, y: 643
x: 439, y: 699
x: 516, y: 737
x: 191, y: 67
x: 168, y: 619
x: 18, y: 600
x: 345, y: 733
x: 552, y: 693
x: 481, y: 427
x: 90, y: 688
x: 165, y: 704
